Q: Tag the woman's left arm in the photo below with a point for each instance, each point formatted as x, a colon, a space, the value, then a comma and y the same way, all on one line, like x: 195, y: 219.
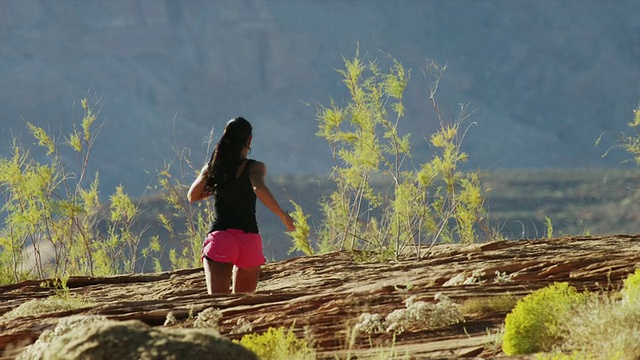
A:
x: 257, y: 173
x: 196, y: 191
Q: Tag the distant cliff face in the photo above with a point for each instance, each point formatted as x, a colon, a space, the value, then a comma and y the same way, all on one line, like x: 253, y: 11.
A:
x: 547, y: 78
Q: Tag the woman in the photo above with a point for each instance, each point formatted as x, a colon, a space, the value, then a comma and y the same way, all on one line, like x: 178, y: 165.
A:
x: 232, y: 252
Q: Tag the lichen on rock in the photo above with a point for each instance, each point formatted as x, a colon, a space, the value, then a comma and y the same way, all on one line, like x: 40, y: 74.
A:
x: 133, y: 339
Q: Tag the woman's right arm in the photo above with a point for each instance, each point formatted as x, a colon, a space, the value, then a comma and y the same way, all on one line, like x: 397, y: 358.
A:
x: 196, y: 191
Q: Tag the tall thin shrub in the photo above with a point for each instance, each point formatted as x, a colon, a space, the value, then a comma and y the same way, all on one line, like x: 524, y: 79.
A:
x: 382, y: 202
x: 50, y: 208
x: 174, y: 180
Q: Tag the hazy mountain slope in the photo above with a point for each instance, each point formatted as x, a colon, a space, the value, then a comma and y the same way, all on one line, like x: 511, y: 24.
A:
x: 547, y: 78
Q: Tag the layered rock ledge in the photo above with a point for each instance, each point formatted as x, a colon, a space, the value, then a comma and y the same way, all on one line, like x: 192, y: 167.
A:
x: 323, y: 296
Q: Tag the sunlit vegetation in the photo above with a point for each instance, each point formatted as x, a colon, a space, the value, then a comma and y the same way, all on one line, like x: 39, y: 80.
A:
x: 560, y: 319
x: 56, y: 224
x: 48, y: 206
x: 382, y: 202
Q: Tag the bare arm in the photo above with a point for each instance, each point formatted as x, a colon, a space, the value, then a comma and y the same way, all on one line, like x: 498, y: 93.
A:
x: 196, y: 191
x: 257, y: 174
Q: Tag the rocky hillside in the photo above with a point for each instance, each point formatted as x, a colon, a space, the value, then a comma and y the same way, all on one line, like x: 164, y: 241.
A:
x: 547, y: 78
x: 324, y: 296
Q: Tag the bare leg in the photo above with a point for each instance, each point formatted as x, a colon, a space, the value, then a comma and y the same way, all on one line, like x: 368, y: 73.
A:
x: 217, y: 276
x: 246, y: 280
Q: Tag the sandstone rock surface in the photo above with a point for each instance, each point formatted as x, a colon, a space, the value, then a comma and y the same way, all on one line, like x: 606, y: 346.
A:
x: 323, y: 296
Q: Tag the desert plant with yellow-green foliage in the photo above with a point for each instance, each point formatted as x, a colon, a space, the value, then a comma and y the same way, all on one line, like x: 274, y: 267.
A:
x: 382, y: 202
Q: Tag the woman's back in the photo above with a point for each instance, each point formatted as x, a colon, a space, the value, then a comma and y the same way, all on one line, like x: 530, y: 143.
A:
x: 235, y: 203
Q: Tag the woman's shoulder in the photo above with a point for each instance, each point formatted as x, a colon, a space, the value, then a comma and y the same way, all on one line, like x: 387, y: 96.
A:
x: 254, y: 162
x: 256, y: 167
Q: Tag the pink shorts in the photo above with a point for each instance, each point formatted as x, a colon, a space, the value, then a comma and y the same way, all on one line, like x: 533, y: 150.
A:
x: 242, y: 249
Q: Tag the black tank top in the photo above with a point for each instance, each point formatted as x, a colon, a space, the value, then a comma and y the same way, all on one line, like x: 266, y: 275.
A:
x: 235, y: 204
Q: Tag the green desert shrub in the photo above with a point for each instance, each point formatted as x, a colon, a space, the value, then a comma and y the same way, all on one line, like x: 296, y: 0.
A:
x: 607, y: 326
x: 631, y: 287
x: 535, y: 324
x: 57, y: 225
x: 277, y: 343
x: 628, y: 142
x: 173, y: 181
x: 301, y: 235
x: 631, y: 143
x: 385, y: 203
x: 55, y: 222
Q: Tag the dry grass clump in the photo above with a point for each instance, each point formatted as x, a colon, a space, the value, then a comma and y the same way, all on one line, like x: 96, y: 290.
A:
x: 576, y: 355
x: 488, y: 305
x: 208, y: 318
x: 51, y: 304
x: 416, y: 314
x: 464, y: 278
x: 478, y: 277
x: 608, y: 326
x: 170, y: 319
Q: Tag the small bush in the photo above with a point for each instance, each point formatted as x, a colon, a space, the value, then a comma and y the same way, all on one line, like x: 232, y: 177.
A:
x: 607, y: 326
x: 369, y: 323
x: 464, y: 278
x: 208, y: 318
x: 534, y: 325
x: 276, y: 344
x: 417, y: 314
x: 631, y: 143
x: 631, y: 289
x: 242, y: 326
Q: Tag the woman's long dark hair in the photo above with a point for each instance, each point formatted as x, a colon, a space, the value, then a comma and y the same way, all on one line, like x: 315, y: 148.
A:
x: 227, y: 155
